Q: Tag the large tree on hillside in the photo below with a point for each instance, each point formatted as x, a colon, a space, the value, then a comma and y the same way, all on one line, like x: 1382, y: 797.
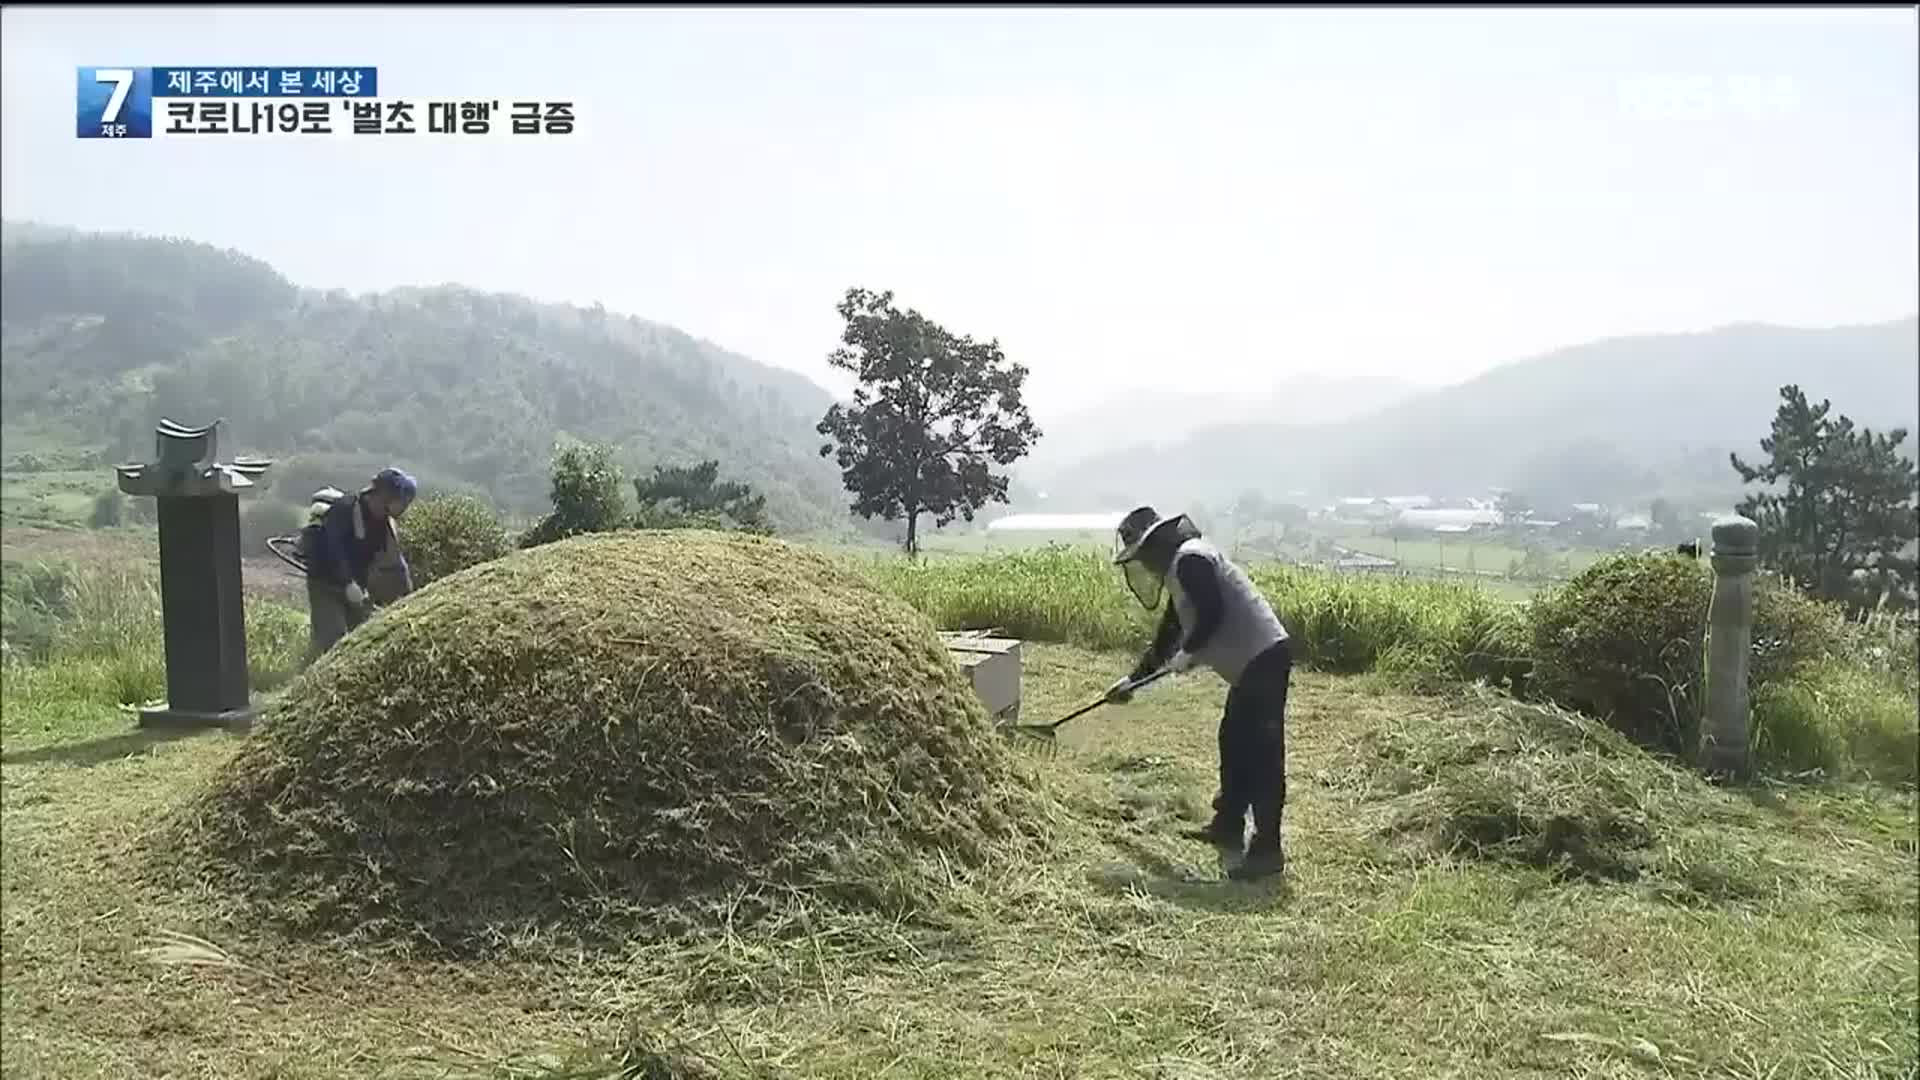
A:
x: 1838, y: 517
x: 932, y: 415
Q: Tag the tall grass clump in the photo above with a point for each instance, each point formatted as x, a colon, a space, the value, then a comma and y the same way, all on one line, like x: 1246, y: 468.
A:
x: 1352, y: 624
x: 96, y: 632
x: 33, y: 599
x: 1338, y: 623
x: 1839, y: 719
x: 1056, y: 593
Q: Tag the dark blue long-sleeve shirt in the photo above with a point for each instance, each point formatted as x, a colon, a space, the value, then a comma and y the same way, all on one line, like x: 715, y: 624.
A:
x: 1197, y: 579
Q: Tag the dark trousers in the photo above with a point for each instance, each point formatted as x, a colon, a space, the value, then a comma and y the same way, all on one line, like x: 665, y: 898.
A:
x: 1253, y: 750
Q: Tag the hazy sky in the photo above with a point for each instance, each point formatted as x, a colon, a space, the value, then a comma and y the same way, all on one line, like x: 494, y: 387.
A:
x: 1122, y: 198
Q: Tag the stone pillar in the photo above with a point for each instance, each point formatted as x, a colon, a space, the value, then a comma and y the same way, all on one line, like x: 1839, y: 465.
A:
x: 1724, y: 726
x: 202, y: 609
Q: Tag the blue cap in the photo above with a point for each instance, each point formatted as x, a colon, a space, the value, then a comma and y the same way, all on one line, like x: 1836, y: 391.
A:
x: 396, y: 481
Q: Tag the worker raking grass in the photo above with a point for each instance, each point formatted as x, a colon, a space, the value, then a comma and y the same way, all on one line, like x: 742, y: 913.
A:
x: 622, y: 733
x: 1219, y: 619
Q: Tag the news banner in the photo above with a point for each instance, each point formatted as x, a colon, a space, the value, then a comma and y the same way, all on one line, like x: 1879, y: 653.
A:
x: 120, y: 103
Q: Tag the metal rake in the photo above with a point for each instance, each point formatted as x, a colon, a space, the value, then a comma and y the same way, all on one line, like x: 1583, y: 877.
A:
x: 1048, y: 733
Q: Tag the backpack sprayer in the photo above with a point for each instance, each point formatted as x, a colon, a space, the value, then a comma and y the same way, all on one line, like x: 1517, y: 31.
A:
x: 290, y: 549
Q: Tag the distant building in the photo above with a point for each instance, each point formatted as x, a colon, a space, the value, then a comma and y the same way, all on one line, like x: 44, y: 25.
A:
x: 1375, y: 508
x: 1448, y: 521
x: 1360, y: 562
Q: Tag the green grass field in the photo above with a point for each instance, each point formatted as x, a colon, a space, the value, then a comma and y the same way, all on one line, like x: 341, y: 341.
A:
x: 1476, y: 887
x: 63, y: 497
x: 1125, y: 955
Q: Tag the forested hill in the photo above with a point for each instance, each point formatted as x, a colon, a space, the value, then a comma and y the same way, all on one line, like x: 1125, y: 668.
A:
x: 1615, y: 420
x: 105, y: 333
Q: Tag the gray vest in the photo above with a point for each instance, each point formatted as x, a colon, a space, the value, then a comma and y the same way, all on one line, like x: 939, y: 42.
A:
x: 1248, y: 626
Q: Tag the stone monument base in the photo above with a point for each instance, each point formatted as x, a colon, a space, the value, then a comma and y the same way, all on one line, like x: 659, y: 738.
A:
x: 162, y: 717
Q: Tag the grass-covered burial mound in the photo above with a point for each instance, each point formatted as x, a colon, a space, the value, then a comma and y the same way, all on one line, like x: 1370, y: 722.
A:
x: 626, y: 732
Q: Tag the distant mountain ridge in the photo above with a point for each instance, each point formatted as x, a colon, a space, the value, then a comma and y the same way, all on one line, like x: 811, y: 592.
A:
x: 103, y: 333
x: 1148, y: 418
x: 1614, y: 418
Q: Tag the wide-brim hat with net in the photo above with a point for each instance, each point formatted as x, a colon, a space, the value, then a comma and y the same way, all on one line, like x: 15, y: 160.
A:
x: 1135, y: 529
x: 1138, y: 527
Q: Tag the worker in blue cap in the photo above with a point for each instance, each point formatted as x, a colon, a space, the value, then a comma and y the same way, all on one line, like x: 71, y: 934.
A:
x: 348, y: 538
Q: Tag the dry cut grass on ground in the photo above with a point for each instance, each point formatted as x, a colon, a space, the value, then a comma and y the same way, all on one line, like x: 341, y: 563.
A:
x: 1475, y: 889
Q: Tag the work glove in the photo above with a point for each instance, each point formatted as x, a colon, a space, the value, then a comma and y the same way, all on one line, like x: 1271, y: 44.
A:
x: 356, y: 596
x: 1120, y: 692
x: 1181, y: 663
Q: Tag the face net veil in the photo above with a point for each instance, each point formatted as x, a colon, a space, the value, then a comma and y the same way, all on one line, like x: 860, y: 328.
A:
x: 1145, y: 585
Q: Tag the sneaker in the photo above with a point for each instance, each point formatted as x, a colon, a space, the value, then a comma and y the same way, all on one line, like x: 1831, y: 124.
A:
x: 1259, y: 864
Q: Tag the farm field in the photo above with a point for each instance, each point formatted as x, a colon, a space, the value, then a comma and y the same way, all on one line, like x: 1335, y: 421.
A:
x: 261, y: 574
x: 55, y: 497
x: 1460, y: 555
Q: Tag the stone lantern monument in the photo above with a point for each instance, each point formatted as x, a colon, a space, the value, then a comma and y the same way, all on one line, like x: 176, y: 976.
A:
x: 200, y: 599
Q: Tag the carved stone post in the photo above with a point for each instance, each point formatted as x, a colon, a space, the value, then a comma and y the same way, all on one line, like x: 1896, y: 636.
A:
x: 200, y: 600
x: 1724, y: 731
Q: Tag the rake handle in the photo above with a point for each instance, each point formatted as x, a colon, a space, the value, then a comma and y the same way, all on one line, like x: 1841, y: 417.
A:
x: 1102, y: 699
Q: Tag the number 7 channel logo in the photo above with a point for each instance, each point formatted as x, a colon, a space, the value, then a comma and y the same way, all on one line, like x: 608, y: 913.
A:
x: 115, y: 103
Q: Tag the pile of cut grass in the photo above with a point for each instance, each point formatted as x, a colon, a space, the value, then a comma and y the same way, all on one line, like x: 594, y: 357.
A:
x: 631, y: 733
x: 1533, y: 785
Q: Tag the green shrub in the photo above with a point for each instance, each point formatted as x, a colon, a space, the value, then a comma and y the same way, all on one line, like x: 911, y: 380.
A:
x: 1792, y: 630
x: 109, y: 510
x: 445, y: 534
x: 1623, y: 640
